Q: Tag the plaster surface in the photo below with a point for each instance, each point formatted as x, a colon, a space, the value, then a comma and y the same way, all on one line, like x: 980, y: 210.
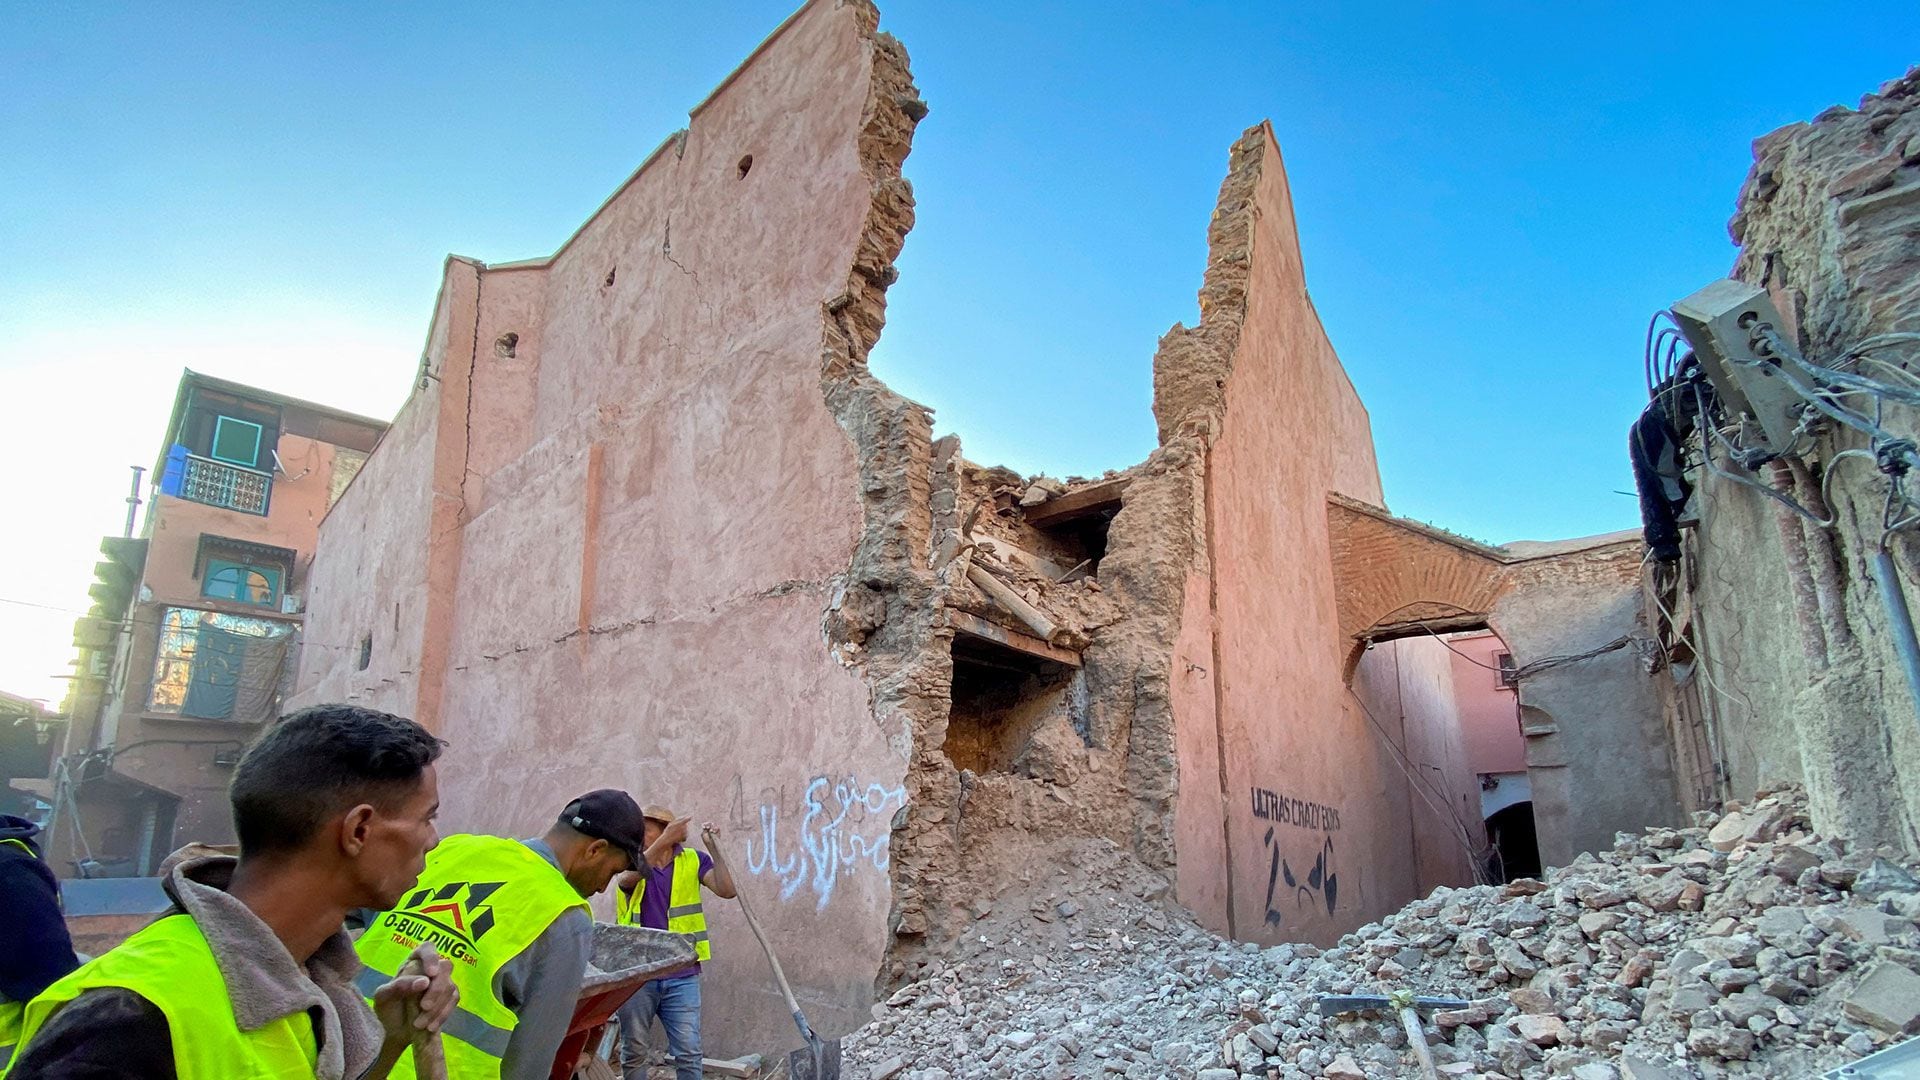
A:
x: 1489, y: 711
x: 616, y: 544
x: 1312, y: 784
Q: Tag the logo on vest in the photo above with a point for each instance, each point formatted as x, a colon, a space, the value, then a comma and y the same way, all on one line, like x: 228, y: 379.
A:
x: 452, y: 918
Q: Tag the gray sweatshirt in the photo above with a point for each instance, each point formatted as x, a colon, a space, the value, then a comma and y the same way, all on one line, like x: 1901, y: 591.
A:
x: 118, y: 1033
x: 542, y: 985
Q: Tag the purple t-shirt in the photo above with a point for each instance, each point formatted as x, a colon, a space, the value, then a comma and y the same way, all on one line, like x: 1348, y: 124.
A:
x: 659, y: 895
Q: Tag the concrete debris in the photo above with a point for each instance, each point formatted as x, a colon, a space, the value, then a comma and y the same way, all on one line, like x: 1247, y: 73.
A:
x: 1778, y: 969
x: 1887, y: 999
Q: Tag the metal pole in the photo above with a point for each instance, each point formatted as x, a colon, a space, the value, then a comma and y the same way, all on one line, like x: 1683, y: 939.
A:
x: 1888, y: 581
x: 133, y: 500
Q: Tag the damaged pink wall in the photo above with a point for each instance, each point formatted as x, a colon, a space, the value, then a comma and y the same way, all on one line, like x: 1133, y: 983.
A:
x: 650, y: 504
x: 1434, y: 764
x: 1312, y: 791
x: 1200, y: 840
x: 369, y: 580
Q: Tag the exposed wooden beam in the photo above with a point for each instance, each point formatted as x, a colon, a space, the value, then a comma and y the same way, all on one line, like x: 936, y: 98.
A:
x: 976, y: 627
x: 1074, y: 505
x: 1001, y: 593
x: 1445, y: 624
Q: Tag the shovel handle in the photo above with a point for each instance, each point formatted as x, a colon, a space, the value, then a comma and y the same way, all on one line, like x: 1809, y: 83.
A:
x: 429, y: 1056
x: 712, y: 841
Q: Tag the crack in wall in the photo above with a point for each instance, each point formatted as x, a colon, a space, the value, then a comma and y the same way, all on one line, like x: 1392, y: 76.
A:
x: 666, y: 250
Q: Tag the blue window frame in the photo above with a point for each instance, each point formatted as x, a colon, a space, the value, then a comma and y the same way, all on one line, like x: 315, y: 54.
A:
x: 236, y: 442
x: 241, y: 583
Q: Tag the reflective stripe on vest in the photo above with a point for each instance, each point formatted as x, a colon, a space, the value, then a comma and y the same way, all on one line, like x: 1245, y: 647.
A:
x: 170, y: 964
x: 481, y: 901
x: 684, y: 915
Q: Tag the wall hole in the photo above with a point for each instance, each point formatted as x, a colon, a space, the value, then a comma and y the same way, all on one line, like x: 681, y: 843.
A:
x: 746, y: 166
x: 1000, y: 702
x: 505, y: 344
x: 610, y: 273
x: 366, y: 651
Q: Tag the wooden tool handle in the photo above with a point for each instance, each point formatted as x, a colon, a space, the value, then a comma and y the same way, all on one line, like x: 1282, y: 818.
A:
x: 1417, y: 1038
x: 429, y: 1056
x: 753, y: 924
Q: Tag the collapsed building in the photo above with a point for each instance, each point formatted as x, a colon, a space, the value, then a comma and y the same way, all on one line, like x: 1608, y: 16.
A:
x: 1778, y: 591
x: 648, y: 520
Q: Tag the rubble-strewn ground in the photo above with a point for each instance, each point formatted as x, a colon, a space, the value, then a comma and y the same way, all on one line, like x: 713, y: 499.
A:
x: 1744, y: 947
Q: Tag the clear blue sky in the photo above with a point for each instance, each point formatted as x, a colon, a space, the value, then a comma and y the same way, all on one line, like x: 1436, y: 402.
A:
x: 1491, y: 199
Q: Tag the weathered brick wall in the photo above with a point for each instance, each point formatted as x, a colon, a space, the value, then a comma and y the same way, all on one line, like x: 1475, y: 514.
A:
x: 1389, y: 570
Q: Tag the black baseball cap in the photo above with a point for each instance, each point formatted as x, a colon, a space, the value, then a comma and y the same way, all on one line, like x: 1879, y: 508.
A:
x: 609, y: 814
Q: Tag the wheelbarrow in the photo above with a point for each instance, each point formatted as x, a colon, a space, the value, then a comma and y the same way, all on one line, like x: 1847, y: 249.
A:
x: 623, y: 958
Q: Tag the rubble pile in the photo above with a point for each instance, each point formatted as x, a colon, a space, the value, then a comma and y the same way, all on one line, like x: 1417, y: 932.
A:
x: 1744, y: 946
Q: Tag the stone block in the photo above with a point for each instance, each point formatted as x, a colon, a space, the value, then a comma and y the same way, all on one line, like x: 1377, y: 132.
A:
x: 1342, y: 1068
x: 1887, y: 999
x: 1595, y: 923
x: 1529, y: 1000
x: 1881, y: 878
x: 1726, y: 835
x: 1721, y: 1041
x: 1870, y: 926
x: 1541, y: 1030
x: 1635, y: 1067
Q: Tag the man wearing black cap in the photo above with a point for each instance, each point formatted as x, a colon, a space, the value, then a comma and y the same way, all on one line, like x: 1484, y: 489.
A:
x: 512, y: 915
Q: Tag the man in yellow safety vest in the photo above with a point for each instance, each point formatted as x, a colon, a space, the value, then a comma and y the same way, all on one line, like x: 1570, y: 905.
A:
x: 250, y: 976
x: 665, y: 895
x: 513, y: 917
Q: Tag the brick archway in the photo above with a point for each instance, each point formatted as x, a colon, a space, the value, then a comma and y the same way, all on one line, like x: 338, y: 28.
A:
x: 1396, y: 578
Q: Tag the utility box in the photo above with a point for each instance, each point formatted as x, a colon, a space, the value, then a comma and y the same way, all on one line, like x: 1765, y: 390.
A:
x: 1718, y: 321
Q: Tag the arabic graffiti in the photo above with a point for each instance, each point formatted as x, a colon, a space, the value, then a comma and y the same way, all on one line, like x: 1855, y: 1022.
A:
x: 844, y: 826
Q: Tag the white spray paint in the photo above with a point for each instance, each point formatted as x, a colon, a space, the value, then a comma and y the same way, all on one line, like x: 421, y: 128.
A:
x: 844, y: 827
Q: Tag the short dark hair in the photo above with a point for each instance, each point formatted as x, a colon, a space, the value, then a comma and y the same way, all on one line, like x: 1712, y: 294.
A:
x: 319, y: 762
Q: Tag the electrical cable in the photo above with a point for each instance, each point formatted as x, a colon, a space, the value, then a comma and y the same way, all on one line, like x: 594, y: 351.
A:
x: 1534, y: 667
x: 1880, y: 436
x: 1407, y: 767
x: 1733, y: 452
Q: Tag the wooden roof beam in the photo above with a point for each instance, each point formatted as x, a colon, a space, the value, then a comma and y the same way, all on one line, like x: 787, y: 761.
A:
x: 1080, y: 503
x: 974, y: 626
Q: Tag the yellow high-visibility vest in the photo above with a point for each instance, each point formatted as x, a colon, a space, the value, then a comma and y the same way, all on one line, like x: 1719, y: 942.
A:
x: 684, y: 913
x: 170, y: 964
x: 481, y: 901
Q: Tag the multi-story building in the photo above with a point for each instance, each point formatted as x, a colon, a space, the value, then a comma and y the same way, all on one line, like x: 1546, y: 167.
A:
x: 191, y: 643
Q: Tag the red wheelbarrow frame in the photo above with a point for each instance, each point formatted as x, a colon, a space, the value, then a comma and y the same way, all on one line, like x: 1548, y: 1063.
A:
x: 602, y: 993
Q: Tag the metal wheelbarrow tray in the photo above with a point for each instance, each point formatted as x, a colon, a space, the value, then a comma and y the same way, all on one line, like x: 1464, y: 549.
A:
x: 623, y: 958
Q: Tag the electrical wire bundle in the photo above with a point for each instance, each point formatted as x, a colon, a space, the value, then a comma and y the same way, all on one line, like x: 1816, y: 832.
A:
x: 1831, y: 395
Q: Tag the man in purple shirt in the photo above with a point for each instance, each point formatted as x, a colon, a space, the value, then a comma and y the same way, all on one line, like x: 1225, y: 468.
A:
x: 665, y: 895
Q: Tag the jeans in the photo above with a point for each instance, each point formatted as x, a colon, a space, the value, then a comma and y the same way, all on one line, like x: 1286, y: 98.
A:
x: 677, y: 1003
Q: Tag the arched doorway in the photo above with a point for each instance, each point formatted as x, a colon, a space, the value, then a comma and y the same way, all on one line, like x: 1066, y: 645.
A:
x: 1515, y: 847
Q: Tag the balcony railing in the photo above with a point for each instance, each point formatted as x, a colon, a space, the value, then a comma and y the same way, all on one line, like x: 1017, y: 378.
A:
x: 217, y: 483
